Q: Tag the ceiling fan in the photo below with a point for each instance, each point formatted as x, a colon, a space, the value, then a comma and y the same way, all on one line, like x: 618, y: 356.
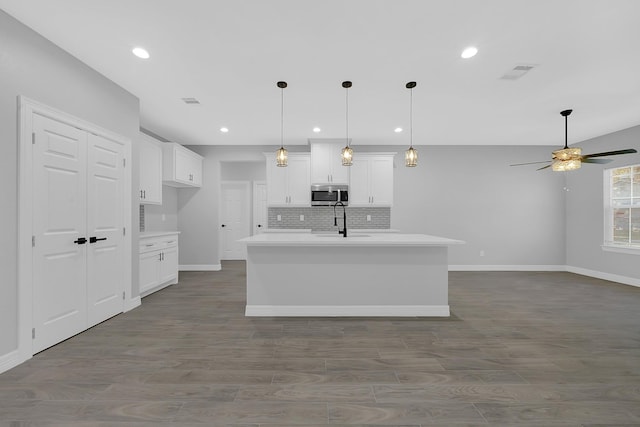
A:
x: 567, y: 159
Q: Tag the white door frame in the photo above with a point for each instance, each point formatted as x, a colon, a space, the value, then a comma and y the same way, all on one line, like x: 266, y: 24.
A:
x: 220, y: 201
x: 26, y: 108
x: 253, y: 208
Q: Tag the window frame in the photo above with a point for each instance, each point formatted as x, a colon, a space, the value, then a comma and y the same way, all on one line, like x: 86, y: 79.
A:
x: 608, y: 243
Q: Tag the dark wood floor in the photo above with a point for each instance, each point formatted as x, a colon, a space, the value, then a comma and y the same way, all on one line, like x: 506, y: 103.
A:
x: 521, y: 349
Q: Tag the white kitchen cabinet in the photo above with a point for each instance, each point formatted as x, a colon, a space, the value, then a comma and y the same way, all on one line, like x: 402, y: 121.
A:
x: 371, y: 180
x: 181, y: 167
x: 150, y: 170
x: 326, y: 163
x: 158, y: 261
x: 289, y: 186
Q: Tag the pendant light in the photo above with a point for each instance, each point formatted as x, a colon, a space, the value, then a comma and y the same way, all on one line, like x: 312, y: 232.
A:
x: 347, y: 151
x: 411, y: 155
x: 281, y: 154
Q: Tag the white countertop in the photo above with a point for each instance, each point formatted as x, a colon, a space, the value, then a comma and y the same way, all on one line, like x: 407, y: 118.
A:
x: 148, y: 234
x: 355, y: 239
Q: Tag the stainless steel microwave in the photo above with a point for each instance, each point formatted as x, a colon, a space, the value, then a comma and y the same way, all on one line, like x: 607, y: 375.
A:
x: 329, y: 195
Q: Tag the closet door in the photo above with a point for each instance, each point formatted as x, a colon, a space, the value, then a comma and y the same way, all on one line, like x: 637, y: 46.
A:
x: 59, y: 224
x: 105, y: 220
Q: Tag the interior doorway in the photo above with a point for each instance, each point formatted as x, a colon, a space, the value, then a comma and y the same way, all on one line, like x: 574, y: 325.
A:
x: 235, y: 211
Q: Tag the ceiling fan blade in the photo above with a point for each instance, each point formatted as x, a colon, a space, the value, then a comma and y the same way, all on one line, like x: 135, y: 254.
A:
x: 611, y: 153
x: 601, y: 161
x: 544, y: 167
x: 531, y: 163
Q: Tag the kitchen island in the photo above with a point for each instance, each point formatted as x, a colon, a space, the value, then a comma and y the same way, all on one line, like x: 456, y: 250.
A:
x: 373, y: 274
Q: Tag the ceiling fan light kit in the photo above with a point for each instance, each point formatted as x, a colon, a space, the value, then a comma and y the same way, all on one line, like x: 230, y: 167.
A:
x: 568, y: 159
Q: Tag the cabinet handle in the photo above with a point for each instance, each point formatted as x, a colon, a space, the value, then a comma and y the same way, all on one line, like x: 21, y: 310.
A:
x: 371, y: 199
x: 160, y: 256
x: 150, y: 244
x: 259, y: 225
x: 81, y: 241
x: 141, y: 194
x: 224, y: 225
x: 95, y: 239
x: 144, y: 194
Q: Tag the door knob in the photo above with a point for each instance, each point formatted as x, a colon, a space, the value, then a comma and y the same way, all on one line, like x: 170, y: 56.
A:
x: 259, y: 225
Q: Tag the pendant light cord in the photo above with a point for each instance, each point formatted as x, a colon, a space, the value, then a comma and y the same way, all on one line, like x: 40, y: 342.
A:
x: 411, y: 120
x: 347, y: 115
x: 281, y: 117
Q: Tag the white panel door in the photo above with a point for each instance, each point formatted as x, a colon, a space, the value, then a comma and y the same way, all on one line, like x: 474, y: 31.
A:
x: 59, y: 225
x: 234, y: 217
x: 105, y: 220
x: 169, y: 265
x: 260, y: 214
x: 359, y: 194
x: 381, y: 176
x: 298, y: 180
x: 277, y: 184
x: 149, y: 270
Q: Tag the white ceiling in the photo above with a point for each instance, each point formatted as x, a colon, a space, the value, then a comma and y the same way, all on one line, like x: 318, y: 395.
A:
x: 229, y: 54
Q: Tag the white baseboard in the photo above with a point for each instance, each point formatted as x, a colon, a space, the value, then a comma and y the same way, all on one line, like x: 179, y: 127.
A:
x: 484, y: 267
x: 347, y: 310
x: 10, y: 360
x: 200, y: 267
x: 604, y: 276
x: 132, y: 303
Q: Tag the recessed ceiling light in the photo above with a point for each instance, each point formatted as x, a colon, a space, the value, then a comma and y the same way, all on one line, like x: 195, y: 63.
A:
x: 140, y: 52
x: 469, y: 52
x: 316, y: 129
x: 224, y: 130
x: 397, y: 130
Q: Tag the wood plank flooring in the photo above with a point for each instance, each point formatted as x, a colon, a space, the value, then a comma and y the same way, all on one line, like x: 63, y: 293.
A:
x: 521, y: 349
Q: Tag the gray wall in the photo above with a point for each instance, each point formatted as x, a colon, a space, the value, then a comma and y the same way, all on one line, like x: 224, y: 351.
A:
x: 198, y: 208
x: 514, y: 214
x: 153, y: 218
x: 34, y: 67
x: 585, y: 213
x: 243, y: 171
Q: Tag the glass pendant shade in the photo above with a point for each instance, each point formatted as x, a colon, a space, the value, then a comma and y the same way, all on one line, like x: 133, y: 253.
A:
x: 567, y: 154
x: 567, y: 159
x: 411, y: 157
x: 347, y: 156
x: 281, y: 157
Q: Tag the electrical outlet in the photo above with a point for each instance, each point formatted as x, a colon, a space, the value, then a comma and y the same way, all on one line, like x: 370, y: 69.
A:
x: 368, y: 218
x: 279, y: 217
x: 301, y: 217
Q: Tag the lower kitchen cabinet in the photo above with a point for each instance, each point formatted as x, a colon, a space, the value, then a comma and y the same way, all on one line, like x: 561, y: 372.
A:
x: 158, y: 261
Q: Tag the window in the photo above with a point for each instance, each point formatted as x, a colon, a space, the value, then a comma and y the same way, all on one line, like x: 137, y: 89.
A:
x: 622, y: 208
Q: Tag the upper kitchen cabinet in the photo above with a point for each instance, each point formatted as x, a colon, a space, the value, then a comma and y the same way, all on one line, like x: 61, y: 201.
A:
x: 150, y: 170
x: 371, y: 180
x: 289, y: 186
x: 181, y: 166
x: 326, y: 163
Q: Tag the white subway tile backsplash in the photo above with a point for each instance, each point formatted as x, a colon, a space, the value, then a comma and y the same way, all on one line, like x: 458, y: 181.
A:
x: 320, y: 218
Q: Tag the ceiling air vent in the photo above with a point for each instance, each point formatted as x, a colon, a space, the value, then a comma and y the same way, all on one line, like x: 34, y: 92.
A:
x: 190, y: 101
x: 518, y: 71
